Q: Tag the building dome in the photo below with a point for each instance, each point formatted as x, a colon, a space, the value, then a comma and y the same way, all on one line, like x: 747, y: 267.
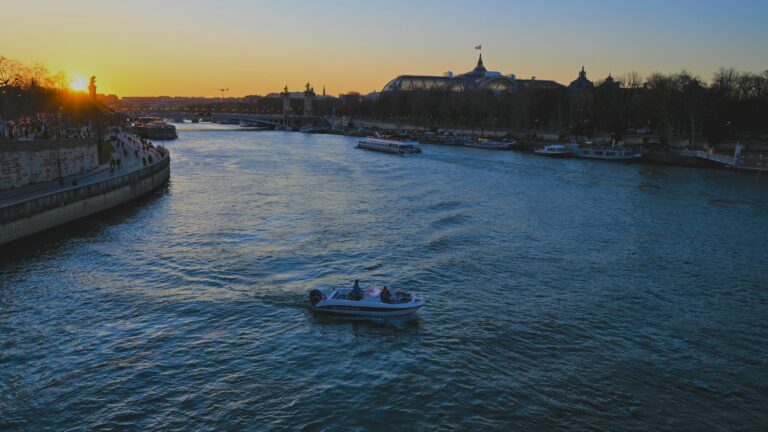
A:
x: 610, y: 83
x: 581, y: 83
x: 478, y: 78
x: 478, y: 72
x: 480, y: 67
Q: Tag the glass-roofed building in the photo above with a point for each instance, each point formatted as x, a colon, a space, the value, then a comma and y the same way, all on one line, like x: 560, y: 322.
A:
x: 478, y: 78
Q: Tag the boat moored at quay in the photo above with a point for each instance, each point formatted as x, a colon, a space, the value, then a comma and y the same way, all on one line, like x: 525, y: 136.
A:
x: 554, y: 150
x: 389, y: 146
x: 490, y: 144
x: 589, y: 152
x: 154, y: 128
x: 443, y: 139
x: 609, y: 154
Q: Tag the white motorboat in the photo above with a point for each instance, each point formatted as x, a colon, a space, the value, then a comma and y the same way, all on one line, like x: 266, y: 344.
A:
x: 356, y: 302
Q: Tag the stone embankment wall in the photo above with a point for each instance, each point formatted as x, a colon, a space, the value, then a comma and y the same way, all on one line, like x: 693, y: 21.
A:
x: 24, y: 163
x: 47, y: 211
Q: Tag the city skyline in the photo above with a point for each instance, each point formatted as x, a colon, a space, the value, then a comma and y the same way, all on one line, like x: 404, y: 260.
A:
x: 192, y: 49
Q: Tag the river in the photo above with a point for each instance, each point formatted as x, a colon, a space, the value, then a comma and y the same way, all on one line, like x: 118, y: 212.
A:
x: 562, y: 294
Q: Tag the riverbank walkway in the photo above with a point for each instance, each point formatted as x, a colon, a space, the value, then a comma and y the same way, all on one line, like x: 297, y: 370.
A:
x: 128, y: 149
x: 729, y: 161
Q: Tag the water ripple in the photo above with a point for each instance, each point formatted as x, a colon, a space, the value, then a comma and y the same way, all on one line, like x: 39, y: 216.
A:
x: 562, y: 295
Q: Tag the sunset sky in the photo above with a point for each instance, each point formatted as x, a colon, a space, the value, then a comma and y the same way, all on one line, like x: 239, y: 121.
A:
x: 193, y: 48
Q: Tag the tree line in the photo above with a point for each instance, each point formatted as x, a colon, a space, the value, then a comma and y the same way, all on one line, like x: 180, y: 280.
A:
x: 672, y: 106
x: 30, y: 90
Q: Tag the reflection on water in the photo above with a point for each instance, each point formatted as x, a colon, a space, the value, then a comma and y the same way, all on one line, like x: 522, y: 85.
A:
x: 562, y: 294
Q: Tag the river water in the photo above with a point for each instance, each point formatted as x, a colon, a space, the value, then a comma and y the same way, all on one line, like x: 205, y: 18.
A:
x: 563, y: 294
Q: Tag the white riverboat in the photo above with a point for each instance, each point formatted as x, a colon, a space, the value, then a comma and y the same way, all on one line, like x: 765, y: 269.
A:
x: 371, y: 303
x: 389, y: 146
x: 555, y: 150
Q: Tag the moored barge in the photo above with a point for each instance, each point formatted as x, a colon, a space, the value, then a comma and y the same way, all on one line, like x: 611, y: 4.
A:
x: 389, y: 146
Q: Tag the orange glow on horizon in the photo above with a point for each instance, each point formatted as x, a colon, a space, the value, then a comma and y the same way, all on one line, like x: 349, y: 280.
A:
x: 145, y: 48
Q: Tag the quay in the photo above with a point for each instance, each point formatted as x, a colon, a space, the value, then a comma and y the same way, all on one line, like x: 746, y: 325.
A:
x: 37, y: 207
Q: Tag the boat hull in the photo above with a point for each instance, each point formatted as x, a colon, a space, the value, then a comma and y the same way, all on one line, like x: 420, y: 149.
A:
x: 607, y: 154
x: 386, y: 149
x: 488, y: 147
x: 612, y: 158
x: 164, y: 132
x: 553, y: 154
x: 379, y: 149
x: 366, y: 311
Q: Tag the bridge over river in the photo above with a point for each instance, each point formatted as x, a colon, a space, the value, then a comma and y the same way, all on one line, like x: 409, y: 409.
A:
x: 268, y: 120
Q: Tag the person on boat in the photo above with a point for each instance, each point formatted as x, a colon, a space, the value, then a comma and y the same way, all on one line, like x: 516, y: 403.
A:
x: 356, y: 293
x: 386, y: 296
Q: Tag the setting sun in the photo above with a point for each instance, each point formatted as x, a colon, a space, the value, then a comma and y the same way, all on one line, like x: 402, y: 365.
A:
x: 79, y: 83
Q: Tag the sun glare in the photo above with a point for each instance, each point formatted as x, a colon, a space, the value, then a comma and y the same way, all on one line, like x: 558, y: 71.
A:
x: 79, y: 84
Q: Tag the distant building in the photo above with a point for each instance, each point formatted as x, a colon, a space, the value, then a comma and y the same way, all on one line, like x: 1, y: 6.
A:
x: 581, y: 92
x: 610, y: 84
x: 111, y: 101
x: 372, y: 96
x: 581, y: 84
x: 351, y: 97
x: 170, y: 102
x: 252, y: 99
x: 478, y: 78
x: 291, y: 95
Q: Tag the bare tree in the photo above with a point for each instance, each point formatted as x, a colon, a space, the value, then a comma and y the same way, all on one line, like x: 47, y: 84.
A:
x: 724, y: 82
x: 662, y: 91
x: 60, y: 81
x: 11, y: 71
x: 693, y: 97
x: 37, y: 75
x: 632, y: 80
